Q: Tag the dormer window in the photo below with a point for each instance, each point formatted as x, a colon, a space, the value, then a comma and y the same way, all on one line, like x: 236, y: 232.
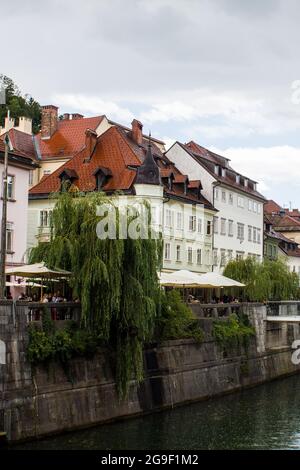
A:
x: 67, y: 178
x: 224, y: 172
x: 246, y: 183
x: 217, y: 169
x: 238, y: 179
x: 102, y: 175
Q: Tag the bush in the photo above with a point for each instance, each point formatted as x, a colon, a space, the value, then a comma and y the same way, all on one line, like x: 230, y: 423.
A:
x: 59, y: 345
x: 40, y: 347
x: 176, y: 319
x: 232, y: 332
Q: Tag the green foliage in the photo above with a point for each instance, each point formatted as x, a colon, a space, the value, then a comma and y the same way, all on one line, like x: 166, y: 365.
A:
x: 232, y: 332
x: 50, y: 344
x: 18, y: 104
x: 176, y: 319
x: 115, y: 279
x: 40, y: 348
x: 269, y: 280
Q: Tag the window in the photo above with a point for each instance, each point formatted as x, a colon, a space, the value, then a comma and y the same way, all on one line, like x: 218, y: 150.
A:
x: 230, y: 197
x: 168, y: 218
x: 216, y: 224
x: 179, y: 221
x: 250, y: 205
x: 46, y: 172
x: 254, y: 234
x: 223, y: 226
x: 199, y: 256
x: 240, y: 229
x: 10, y: 186
x: 254, y: 206
x: 240, y: 201
x: 239, y: 255
x: 199, y: 225
x: 167, y: 251
x: 230, y: 255
x: 9, y: 237
x: 223, y: 196
x: 258, y: 208
x: 207, y: 257
x: 208, y: 228
x: 190, y: 254
x: 223, y: 257
x: 230, y: 228
x: 215, y: 257
x: 258, y: 235
x: 30, y: 177
x: 178, y: 253
x: 249, y: 233
x: 45, y: 218
x: 192, y: 223
x: 216, y: 194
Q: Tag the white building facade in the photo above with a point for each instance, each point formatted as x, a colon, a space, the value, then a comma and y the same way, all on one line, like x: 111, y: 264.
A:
x: 238, y: 225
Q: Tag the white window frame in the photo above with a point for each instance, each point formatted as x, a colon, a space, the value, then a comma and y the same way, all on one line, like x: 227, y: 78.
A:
x: 199, y: 256
x: 167, y: 251
x: 190, y: 255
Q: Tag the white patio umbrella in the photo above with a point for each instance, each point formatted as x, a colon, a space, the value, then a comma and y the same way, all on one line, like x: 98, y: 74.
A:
x: 181, y: 278
x: 213, y: 279
x: 23, y: 284
x: 37, y: 270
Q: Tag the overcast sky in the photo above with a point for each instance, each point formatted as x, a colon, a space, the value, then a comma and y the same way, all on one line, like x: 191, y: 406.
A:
x: 225, y: 73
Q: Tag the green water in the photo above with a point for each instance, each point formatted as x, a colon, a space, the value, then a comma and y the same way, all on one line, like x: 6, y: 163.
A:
x: 265, y: 417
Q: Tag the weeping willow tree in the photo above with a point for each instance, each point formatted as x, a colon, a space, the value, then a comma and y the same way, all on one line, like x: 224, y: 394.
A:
x: 269, y: 280
x: 115, y: 279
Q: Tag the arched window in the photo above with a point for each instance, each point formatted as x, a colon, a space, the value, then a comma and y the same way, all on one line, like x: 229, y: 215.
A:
x: 2, y: 352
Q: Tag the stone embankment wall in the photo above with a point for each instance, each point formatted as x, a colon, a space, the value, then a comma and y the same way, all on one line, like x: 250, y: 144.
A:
x: 45, y: 401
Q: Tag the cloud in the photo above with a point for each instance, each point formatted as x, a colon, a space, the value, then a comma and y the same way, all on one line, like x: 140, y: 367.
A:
x: 276, y: 169
x: 91, y: 105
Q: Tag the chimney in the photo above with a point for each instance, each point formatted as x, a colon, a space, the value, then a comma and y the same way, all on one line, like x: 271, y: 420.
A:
x: 137, y: 131
x: 25, y: 125
x: 77, y: 116
x: 49, y: 121
x: 90, y: 142
x: 66, y: 116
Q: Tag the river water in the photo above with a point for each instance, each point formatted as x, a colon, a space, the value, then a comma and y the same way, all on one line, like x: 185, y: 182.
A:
x: 265, y: 417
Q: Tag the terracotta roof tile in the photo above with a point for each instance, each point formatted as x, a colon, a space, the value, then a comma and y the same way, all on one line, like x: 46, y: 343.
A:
x: 69, y: 137
x: 21, y: 142
x: 116, y: 151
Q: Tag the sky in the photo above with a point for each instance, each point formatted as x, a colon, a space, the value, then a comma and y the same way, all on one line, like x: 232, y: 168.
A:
x: 225, y: 73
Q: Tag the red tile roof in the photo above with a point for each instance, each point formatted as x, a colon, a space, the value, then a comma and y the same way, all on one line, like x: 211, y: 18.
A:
x: 18, y: 157
x: 116, y: 152
x: 69, y: 137
x: 271, y: 206
x: 111, y: 151
x: 209, y: 159
x: 21, y: 142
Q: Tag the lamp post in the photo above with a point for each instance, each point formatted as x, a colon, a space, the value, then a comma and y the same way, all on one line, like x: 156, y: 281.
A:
x: 4, y: 220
